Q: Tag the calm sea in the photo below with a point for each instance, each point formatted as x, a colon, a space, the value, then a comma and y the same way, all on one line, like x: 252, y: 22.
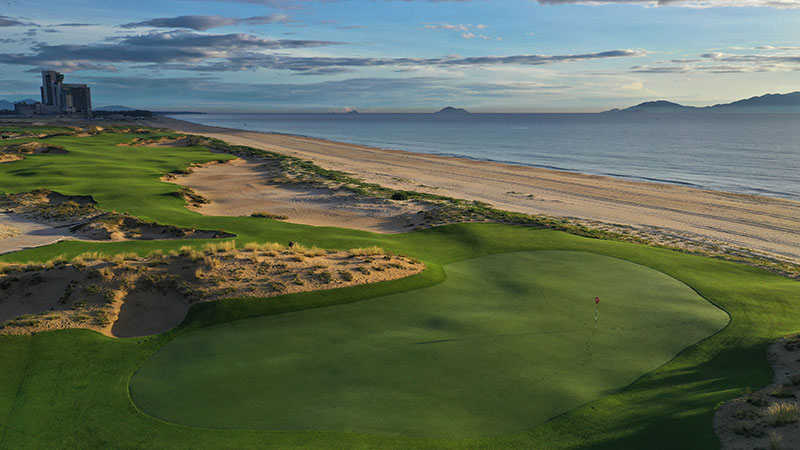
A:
x: 753, y: 154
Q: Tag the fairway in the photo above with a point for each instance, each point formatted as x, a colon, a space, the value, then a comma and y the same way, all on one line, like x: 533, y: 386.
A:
x: 505, y: 343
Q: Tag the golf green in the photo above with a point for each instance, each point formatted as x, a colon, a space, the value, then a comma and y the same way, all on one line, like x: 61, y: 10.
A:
x: 506, y: 342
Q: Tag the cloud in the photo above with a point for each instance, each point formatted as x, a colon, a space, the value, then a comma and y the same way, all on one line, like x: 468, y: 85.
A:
x: 74, y: 24
x: 203, y: 23
x: 6, y: 21
x: 154, y: 48
x: 465, y: 29
x: 779, y: 4
x: 187, y: 50
x: 779, y: 59
x: 313, y: 64
x: 412, y: 92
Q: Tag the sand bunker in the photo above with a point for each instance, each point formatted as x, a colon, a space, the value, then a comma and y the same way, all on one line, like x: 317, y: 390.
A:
x: 164, y: 141
x: 754, y: 420
x: 126, y: 295
x: 246, y: 186
x: 45, y: 216
x: 15, y: 152
x: 17, y: 233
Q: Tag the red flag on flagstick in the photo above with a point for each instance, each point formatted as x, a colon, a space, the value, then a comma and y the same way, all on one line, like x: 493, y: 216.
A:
x: 596, y: 300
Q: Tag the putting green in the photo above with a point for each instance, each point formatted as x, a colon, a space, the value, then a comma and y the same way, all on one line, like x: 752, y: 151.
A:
x: 506, y: 342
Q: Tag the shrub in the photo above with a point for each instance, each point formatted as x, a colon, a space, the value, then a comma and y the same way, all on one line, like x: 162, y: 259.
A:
x: 220, y: 247
x: 314, y: 251
x: 106, y: 273
x: 748, y: 430
x: 399, y: 195
x: 110, y: 297
x: 366, y: 251
x: 755, y: 398
x: 78, y: 317
x: 93, y: 289
x: 277, y: 286
x: 79, y: 262
x: 346, y: 276
x: 266, y: 215
x: 780, y: 414
x: 119, y: 258
x: 211, y: 262
x: 325, y: 277
x: 775, y: 441
x: 782, y: 392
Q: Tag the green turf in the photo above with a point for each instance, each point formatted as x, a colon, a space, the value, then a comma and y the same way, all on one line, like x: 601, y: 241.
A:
x: 508, y: 341
x: 69, y: 389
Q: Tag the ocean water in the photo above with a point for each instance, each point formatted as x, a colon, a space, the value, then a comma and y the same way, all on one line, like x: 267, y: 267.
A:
x: 744, y: 153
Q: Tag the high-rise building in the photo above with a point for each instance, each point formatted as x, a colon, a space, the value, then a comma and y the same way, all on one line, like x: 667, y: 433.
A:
x: 77, y: 100
x: 51, y: 91
x: 60, y: 98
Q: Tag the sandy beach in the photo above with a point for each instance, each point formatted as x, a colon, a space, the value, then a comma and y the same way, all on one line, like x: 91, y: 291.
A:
x: 768, y: 226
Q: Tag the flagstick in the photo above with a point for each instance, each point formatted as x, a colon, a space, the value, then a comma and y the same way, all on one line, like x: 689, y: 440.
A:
x: 595, y: 316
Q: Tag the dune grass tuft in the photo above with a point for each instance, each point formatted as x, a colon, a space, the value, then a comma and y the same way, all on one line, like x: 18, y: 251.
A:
x: 367, y: 251
x: 780, y: 414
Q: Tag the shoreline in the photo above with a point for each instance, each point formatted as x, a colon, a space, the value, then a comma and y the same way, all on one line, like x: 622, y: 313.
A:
x: 397, y: 146
x: 156, y: 122
x: 769, y: 226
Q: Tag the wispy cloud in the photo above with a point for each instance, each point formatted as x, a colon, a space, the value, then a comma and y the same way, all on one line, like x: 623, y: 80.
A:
x: 156, y: 48
x: 203, y: 23
x: 364, y: 92
x: 779, y: 4
x: 315, y: 65
x: 6, y: 21
x: 466, y: 30
x: 771, y: 59
x: 187, y: 50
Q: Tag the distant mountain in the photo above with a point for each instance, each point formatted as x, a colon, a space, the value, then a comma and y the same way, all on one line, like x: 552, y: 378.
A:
x: 769, y: 103
x: 114, y: 108
x: 451, y: 110
x: 773, y: 103
x: 5, y: 104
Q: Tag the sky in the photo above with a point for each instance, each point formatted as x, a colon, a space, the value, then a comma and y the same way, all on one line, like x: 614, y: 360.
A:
x: 402, y: 55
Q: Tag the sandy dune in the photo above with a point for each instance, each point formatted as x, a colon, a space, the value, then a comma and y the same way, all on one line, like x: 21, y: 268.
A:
x: 242, y: 187
x: 128, y: 296
x: 769, y: 226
